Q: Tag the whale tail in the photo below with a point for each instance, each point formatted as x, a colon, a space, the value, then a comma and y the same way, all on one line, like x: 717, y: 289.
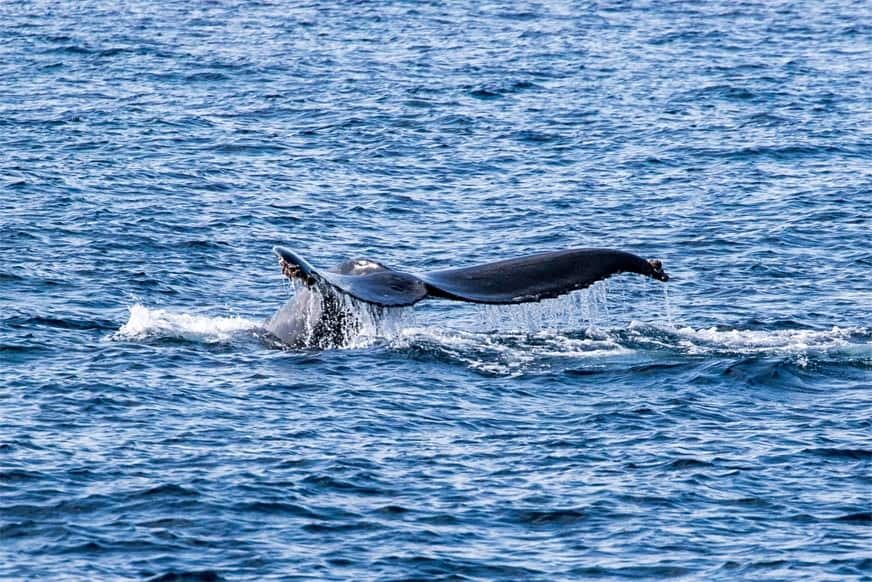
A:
x: 519, y: 280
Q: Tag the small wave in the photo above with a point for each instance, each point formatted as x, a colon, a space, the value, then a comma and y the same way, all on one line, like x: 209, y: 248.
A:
x: 860, y: 518
x: 9, y: 276
x: 799, y: 344
x: 502, y: 354
x: 548, y: 518
x: 187, y: 576
x: 206, y: 76
x: 57, y: 322
x: 146, y: 323
x: 501, y: 89
x: 841, y: 454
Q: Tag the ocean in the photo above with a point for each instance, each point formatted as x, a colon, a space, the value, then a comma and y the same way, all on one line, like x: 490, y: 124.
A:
x: 717, y: 427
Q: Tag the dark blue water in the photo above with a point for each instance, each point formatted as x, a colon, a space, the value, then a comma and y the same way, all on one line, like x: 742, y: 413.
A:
x: 151, y: 155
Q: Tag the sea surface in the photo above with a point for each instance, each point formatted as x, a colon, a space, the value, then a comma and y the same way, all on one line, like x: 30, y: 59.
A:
x: 718, y: 427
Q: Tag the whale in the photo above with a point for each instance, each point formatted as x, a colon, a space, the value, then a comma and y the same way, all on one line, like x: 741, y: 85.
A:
x: 322, y: 312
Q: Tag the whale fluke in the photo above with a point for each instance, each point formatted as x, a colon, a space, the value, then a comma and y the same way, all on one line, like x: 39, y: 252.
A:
x: 536, y: 277
x: 519, y: 280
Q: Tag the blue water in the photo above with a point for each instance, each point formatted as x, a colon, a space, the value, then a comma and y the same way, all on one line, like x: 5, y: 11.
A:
x: 718, y: 427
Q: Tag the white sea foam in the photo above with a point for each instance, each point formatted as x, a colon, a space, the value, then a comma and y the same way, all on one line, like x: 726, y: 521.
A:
x: 798, y: 344
x: 538, y: 335
x: 152, y: 323
x: 763, y: 340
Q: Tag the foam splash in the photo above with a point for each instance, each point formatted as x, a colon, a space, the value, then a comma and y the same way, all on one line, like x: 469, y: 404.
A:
x: 763, y: 341
x: 144, y: 323
x: 797, y: 344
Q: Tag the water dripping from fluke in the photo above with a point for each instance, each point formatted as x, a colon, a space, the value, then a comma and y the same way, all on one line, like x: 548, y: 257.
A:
x: 592, y: 310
